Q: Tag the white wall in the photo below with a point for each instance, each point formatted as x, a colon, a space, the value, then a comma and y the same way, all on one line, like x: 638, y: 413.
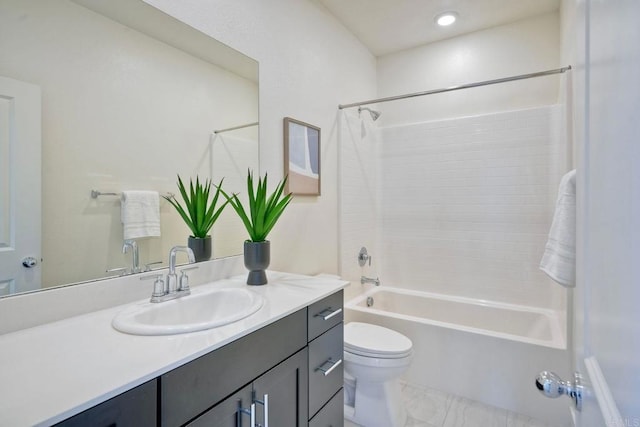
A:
x: 309, y: 64
x: 522, y: 47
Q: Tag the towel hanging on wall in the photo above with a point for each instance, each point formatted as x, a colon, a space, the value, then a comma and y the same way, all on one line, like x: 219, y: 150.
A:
x: 140, y: 214
x: 559, y: 258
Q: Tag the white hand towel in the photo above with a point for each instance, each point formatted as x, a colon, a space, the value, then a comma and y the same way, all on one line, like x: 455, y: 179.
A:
x: 140, y: 214
x: 559, y: 259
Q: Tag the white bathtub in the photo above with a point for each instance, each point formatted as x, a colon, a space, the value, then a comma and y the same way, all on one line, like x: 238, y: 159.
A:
x: 481, y: 350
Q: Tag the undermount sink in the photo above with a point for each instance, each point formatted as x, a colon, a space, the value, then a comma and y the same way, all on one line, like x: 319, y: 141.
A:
x: 196, y: 312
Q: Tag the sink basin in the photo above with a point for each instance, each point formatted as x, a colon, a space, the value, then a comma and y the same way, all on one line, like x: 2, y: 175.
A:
x: 196, y: 312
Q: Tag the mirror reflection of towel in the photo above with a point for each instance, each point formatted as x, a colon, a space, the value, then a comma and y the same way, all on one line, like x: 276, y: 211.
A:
x: 559, y: 259
x: 140, y: 214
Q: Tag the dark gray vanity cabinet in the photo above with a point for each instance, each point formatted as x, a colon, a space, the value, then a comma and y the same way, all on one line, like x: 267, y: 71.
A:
x: 326, y: 374
x: 134, y: 408
x: 257, y: 359
x: 281, y: 389
x: 294, y: 364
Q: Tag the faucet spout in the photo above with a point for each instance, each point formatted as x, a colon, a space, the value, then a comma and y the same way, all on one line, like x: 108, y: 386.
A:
x: 364, y: 279
x: 135, y: 263
x: 172, y: 257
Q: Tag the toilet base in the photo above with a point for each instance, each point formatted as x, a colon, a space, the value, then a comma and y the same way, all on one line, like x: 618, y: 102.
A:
x: 377, y: 404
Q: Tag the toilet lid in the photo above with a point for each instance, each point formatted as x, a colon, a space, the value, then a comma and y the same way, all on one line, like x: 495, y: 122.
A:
x: 375, y: 341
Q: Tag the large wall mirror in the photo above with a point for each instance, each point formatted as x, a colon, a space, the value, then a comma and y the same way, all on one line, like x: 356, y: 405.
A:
x: 128, y: 98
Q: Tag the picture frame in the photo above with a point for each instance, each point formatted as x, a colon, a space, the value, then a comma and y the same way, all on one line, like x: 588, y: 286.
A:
x: 302, y: 157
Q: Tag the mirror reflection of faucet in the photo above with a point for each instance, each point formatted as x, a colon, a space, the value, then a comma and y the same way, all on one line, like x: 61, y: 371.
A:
x: 135, y: 261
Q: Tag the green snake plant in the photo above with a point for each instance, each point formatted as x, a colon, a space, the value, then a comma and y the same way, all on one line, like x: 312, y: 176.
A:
x: 263, y: 210
x: 199, y: 213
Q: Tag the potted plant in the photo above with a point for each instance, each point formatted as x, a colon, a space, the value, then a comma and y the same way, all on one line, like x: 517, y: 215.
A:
x: 199, y: 213
x: 259, y: 218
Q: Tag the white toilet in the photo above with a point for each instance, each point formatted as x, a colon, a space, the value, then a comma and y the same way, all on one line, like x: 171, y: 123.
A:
x: 374, y: 358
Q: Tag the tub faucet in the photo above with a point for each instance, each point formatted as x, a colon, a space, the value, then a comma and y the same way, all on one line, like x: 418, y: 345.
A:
x: 135, y: 262
x: 364, y: 279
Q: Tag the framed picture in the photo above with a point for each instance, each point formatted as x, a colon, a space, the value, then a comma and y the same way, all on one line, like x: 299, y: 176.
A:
x: 302, y: 157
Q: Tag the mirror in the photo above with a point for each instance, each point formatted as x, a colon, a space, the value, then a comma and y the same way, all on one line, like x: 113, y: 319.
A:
x: 130, y: 98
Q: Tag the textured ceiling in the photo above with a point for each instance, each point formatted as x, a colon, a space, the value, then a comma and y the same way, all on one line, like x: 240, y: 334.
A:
x: 387, y: 26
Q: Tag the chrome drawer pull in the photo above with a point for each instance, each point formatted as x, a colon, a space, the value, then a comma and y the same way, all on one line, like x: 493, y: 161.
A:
x: 333, y: 366
x: 328, y: 313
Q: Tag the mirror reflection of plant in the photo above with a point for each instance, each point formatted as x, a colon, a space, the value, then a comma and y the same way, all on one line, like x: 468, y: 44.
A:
x: 198, y: 212
x: 263, y: 211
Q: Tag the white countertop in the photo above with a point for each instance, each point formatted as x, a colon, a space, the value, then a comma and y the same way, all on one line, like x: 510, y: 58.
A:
x: 53, y: 371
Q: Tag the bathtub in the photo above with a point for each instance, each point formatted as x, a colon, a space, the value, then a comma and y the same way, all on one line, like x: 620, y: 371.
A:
x: 481, y: 350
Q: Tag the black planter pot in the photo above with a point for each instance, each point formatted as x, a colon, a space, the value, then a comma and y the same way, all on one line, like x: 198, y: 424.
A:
x: 257, y: 256
x: 201, y: 247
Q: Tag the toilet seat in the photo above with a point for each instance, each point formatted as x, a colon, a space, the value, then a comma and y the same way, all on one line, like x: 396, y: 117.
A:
x: 374, y: 341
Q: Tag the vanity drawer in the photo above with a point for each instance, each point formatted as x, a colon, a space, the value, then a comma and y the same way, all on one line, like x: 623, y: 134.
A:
x: 326, y: 374
x: 332, y: 415
x: 325, y: 314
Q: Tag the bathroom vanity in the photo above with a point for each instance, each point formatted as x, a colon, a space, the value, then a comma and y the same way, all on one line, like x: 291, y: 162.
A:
x: 284, y: 360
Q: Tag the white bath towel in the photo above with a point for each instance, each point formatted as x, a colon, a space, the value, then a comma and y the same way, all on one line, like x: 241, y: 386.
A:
x: 559, y: 259
x: 140, y: 214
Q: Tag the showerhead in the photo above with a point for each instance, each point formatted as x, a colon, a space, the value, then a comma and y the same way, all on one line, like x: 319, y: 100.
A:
x: 374, y: 114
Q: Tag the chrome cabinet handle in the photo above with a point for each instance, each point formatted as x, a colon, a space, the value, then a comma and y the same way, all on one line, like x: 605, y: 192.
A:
x: 328, y: 313
x: 265, y: 404
x: 242, y: 411
x: 327, y: 371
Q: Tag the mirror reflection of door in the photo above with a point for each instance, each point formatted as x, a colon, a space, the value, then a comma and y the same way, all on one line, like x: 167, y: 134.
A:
x: 20, y: 186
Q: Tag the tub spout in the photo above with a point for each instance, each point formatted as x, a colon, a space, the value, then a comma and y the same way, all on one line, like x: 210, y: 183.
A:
x: 364, y: 279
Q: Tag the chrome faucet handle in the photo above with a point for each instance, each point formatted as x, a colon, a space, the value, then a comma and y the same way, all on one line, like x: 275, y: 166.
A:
x: 158, y: 286
x: 184, y: 279
x: 147, y: 267
x: 363, y: 257
x: 122, y: 270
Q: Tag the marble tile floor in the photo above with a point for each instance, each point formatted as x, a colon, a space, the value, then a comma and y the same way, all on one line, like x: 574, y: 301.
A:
x: 433, y: 408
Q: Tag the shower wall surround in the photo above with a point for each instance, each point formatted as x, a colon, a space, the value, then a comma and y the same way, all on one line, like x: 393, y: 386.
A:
x: 466, y: 205
x: 359, y: 194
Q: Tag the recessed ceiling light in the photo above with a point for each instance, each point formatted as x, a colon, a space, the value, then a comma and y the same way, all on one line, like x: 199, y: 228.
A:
x: 446, y: 18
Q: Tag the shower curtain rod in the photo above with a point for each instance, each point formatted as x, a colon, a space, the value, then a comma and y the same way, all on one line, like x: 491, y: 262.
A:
x: 452, y: 88
x: 236, y: 127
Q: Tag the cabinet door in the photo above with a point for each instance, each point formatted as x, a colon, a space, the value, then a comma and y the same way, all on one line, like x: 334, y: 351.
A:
x: 192, y: 389
x: 135, y: 408
x: 285, y: 387
x: 226, y: 413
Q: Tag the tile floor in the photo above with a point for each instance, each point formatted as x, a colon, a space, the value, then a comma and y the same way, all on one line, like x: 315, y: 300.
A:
x: 433, y: 408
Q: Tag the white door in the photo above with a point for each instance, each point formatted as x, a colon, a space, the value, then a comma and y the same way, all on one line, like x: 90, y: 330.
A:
x: 20, y: 186
x: 607, y: 294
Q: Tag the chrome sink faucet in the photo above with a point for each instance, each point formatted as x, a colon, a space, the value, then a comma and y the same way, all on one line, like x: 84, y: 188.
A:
x: 170, y: 289
x: 135, y: 262
x: 172, y: 279
x: 364, y: 279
